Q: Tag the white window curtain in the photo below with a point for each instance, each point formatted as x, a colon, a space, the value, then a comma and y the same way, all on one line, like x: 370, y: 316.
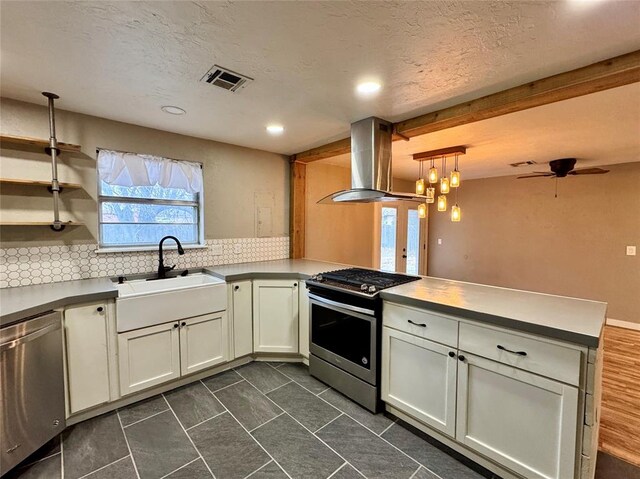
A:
x: 131, y: 169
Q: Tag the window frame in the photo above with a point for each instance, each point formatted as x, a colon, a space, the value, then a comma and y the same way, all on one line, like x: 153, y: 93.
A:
x: 198, y: 204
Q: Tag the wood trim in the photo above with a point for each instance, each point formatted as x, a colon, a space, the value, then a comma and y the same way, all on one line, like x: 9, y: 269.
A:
x: 450, y: 151
x: 611, y: 73
x: 620, y: 417
x: 297, y: 209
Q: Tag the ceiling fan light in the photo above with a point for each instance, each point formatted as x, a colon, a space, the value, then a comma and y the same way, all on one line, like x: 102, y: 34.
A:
x: 422, y: 210
x: 420, y: 186
x: 455, y: 179
x: 442, y: 203
x: 444, y: 185
x: 456, y: 214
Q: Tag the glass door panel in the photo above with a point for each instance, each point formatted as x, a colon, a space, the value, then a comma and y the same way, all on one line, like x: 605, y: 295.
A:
x: 388, y: 239
x: 413, y: 242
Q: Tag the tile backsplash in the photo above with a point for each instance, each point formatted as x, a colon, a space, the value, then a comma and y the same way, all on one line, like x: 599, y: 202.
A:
x: 48, y: 264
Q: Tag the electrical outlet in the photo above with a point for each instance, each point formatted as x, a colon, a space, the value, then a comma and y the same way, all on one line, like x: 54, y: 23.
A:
x: 237, y: 248
x: 216, y: 250
x: 439, y: 240
x: 631, y: 250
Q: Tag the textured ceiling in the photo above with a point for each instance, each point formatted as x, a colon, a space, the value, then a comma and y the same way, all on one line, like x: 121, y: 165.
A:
x: 123, y: 60
x: 598, y: 129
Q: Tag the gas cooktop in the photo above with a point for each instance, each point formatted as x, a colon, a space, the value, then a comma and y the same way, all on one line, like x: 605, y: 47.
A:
x: 361, y: 280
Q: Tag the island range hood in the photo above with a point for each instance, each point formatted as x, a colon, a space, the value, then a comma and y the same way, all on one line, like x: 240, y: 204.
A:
x: 371, y: 178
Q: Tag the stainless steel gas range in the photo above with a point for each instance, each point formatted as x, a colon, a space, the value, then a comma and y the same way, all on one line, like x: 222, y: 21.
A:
x: 345, y: 330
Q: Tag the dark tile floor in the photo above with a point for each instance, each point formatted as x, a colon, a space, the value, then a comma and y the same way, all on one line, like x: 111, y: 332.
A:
x: 261, y: 420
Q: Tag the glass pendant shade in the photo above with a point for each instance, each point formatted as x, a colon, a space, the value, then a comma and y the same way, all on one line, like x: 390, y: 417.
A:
x: 444, y: 185
x: 431, y: 194
x: 455, y: 213
x: 422, y: 210
x: 455, y: 179
x: 442, y: 203
x: 420, y: 186
x: 433, y: 175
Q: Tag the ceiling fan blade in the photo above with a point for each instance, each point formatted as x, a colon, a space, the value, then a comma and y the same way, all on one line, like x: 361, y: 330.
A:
x: 537, y: 175
x: 589, y: 171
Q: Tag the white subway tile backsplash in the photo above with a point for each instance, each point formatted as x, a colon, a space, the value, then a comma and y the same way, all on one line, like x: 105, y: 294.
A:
x: 48, y: 264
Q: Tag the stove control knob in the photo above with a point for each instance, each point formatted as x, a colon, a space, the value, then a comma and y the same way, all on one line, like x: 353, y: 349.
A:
x: 372, y: 289
x: 364, y: 287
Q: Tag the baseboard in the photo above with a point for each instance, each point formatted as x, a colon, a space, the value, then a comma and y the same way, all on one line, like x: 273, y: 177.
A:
x: 618, y: 323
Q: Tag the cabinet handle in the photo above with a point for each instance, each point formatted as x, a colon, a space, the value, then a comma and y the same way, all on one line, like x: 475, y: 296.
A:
x: 519, y: 353
x: 175, y: 325
x: 183, y: 324
x: 236, y: 288
x: 461, y: 357
x: 100, y: 309
x: 295, y: 284
x: 422, y: 325
x: 452, y: 354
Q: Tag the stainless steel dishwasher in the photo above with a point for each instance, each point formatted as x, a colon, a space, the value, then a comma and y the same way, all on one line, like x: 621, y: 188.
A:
x: 31, y: 386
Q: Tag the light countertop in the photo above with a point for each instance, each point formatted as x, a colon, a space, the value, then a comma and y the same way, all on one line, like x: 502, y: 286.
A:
x: 284, y: 268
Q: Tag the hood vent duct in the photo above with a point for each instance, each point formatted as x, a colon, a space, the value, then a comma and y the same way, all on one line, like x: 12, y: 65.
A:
x: 371, y: 178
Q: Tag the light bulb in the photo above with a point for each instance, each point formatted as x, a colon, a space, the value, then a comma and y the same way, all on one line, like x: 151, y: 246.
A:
x: 422, y: 210
x: 433, y: 175
x: 444, y: 185
x: 420, y: 186
x: 442, y: 203
x: 455, y: 179
x: 455, y: 213
x: 431, y: 194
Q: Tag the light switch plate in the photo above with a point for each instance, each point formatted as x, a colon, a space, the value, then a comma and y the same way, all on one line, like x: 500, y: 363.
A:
x: 216, y: 249
x: 439, y: 240
x: 631, y: 250
x: 237, y: 248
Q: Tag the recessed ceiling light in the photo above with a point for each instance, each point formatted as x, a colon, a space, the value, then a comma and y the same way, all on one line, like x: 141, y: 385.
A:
x: 275, y: 129
x: 173, y: 110
x: 369, y: 87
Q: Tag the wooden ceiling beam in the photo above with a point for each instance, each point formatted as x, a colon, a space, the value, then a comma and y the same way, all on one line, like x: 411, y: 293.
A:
x: 604, y: 75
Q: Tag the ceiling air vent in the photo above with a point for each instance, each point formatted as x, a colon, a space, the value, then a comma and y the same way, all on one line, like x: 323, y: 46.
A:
x: 523, y: 163
x: 224, y: 78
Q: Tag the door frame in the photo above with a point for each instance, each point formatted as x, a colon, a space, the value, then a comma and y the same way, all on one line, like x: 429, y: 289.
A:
x: 402, y: 208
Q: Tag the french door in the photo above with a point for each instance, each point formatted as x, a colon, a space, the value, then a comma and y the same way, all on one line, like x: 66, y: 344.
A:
x: 403, y: 236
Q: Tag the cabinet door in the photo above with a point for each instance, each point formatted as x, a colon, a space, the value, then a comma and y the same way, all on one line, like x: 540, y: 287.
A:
x: 87, y: 355
x: 241, y: 299
x: 303, y: 312
x: 419, y: 378
x: 275, y: 316
x: 203, y: 342
x: 525, y: 422
x: 148, y: 356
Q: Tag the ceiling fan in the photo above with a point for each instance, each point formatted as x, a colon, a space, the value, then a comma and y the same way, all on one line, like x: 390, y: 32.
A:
x: 563, y: 167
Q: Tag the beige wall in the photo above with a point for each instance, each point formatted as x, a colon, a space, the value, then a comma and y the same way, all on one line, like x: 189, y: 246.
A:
x: 236, y: 179
x: 514, y: 233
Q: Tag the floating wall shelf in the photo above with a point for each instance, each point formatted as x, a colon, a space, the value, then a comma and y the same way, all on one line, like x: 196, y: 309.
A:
x: 39, y: 223
x: 35, y: 144
x: 38, y: 184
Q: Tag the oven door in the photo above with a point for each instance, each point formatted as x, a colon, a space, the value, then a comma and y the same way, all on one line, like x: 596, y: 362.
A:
x: 344, y: 335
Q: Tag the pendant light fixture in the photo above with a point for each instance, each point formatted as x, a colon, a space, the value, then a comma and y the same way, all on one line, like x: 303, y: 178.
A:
x: 433, y: 173
x: 455, y: 175
x: 422, y: 210
x: 444, y: 180
x: 430, y: 193
x: 442, y: 203
x: 420, y: 183
x: 456, y: 213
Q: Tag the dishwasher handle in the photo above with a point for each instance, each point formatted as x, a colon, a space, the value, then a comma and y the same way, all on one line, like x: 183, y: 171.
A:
x: 29, y: 337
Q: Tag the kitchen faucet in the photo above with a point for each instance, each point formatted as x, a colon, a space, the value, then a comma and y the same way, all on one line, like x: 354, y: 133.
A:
x: 162, y: 269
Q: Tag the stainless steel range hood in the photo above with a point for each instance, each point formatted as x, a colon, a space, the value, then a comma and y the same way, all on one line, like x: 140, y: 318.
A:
x: 371, y: 178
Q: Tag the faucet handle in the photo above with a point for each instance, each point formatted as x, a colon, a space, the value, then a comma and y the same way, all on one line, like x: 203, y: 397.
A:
x: 169, y: 268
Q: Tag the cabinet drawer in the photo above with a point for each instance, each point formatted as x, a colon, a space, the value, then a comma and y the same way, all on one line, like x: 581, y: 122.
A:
x: 547, y: 359
x: 421, y: 323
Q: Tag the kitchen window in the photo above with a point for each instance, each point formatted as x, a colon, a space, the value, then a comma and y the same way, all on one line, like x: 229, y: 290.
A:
x: 142, y: 198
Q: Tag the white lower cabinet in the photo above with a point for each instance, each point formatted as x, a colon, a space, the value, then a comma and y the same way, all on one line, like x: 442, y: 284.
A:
x: 148, y: 357
x: 87, y: 356
x: 275, y: 316
x: 419, y: 378
x: 303, y: 313
x: 242, y: 310
x: 203, y: 342
x: 521, y: 420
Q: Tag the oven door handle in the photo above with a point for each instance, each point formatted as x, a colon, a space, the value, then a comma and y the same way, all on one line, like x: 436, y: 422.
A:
x: 346, y: 307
